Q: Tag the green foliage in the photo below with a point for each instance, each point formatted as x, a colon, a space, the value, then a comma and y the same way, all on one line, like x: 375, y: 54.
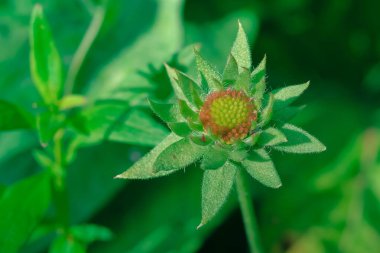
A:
x: 287, y: 95
x: 240, y: 50
x: 213, y: 78
x: 13, y: 117
x: 22, y: 206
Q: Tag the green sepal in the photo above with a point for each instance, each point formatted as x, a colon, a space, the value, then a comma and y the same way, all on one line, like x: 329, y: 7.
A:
x: 45, y: 61
x: 195, y: 126
x: 287, y: 95
x: 252, y: 139
x: 180, y: 128
x: 258, y: 82
x: 259, y: 73
x: 238, y: 155
x: 187, y: 112
x: 172, y: 73
x: 209, y: 72
x: 266, y: 115
x: 201, y: 139
x: 299, y: 141
x: 214, y: 158
x: 240, y: 49
x: 216, y: 186
x: 144, y: 168
x: 231, y: 71
x: 190, y: 89
x: 166, y: 112
x: 259, y: 165
x: 271, y: 137
x: 178, y: 155
x: 243, y: 80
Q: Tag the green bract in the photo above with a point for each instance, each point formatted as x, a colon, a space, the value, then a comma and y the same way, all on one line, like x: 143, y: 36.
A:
x: 225, y: 141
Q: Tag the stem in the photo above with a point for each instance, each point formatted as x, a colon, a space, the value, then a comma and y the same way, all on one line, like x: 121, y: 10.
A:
x: 83, y: 48
x: 248, y: 213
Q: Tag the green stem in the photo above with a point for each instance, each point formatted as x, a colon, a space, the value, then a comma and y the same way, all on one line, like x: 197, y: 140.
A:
x: 84, y: 47
x: 248, y: 212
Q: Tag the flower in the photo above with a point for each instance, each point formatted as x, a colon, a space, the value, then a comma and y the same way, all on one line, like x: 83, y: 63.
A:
x: 227, y: 122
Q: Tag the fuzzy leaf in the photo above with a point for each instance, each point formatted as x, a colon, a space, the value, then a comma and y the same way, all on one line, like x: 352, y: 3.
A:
x: 190, y: 89
x: 45, y: 62
x: 266, y: 114
x: 216, y: 186
x: 187, y: 112
x: 166, y: 112
x: 287, y: 95
x: 172, y: 73
x: 12, y: 117
x: 299, y: 141
x: 240, y: 49
x: 270, y: 137
x: 243, y: 80
x: 200, y: 139
x: 214, y: 158
x: 71, y: 101
x: 178, y: 155
x: 260, y: 167
x: 212, y: 76
x: 144, y: 168
x: 231, y: 71
x: 258, y: 74
x: 180, y: 128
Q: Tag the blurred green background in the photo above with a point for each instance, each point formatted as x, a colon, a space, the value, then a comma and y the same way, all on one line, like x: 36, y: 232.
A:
x: 329, y: 202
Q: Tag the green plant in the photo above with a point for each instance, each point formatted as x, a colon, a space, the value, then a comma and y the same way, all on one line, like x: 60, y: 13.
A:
x: 229, y: 122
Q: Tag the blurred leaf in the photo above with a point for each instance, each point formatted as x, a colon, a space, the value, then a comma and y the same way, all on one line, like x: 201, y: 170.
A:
x: 45, y: 62
x: 178, y: 155
x: 216, y: 186
x: 71, y: 101
x: 144, y: 168
x: 214, y: 158
x: 64, y: 244
x: 13, y: 117
x: 287, y: 95
x: 240, y: 49
x: 89, y: 233
x: 260, y: 167
x: 299, y: 141
x: 47, y: 125
x: 22, y: 206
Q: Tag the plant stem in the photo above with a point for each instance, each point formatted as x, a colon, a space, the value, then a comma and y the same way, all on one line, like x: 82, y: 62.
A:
x: 84, y: 47
x: 248, y: 213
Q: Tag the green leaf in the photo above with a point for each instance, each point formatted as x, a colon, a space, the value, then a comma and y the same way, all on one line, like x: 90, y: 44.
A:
x: 144, y: 168
x: 260, y: 167
x: 287, y: 113
x: 45, y: 62
x: 190, y: 89
x: 13, y: 117
x: 299, y: 141
x: 287, y: 95
x: 172, y: 73
x: 187, y: 112
x: 240, y: 49
x: 258, y: 82
x: 231, y: 71
x: 22, y: 206
x: 178, y: 155
x: 243, y: 80
x: 216, y: 186
x: 47, y: 125
x: 180, y: 128
x: 66, y: 244
x: 211, y: 75
x: 266, y: 115
x: 259, y: 73
x: 71, y: 101
x: 271, y: 137
x: 167, y: 112
x: 201, y: 139
x: 214, y: 158
x: 90, y: 232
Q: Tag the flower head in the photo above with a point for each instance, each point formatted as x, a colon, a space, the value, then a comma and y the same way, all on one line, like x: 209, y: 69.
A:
x: 227, y: 122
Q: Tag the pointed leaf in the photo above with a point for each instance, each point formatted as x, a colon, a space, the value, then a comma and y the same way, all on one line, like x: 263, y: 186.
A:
x: 45, y: 62
x: 231, y: 71
x: 167, y: 112
x: 240, y: 49
x: 174, y: 82
x: 299, y: 141
x: 180, y: 128
x: 266, y: 114
x: 270, y: 137
x: 187, y: 112
x: 144, y: 168
x: 214, y: 158
x: 71, y: 101
x: 13, y: 117
x: 260, y: 167
x: 212, y: 76
x: 190, y: 89
x: 216, y: 186
x: 287, y: 95
x: 200, y: 139
x: 243, y: 80
x: 178, y: 155
x: 259, y: 72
